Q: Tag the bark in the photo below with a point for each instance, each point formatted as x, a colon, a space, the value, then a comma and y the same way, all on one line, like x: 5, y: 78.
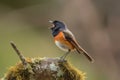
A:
x: 44, y: 69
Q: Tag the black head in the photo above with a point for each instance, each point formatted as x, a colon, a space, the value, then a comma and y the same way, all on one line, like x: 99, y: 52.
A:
x: 57, y: 27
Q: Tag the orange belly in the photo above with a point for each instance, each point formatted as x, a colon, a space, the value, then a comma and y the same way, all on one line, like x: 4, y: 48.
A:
x: 62, y: 43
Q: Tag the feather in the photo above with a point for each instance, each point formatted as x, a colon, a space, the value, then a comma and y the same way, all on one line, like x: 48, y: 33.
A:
x: 69, y: 37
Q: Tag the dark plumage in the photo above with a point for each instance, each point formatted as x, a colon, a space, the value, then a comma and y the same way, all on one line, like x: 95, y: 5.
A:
x: 58, y: 26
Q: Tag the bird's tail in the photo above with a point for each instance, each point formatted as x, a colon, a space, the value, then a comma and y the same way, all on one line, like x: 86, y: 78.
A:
x: 82, y: 51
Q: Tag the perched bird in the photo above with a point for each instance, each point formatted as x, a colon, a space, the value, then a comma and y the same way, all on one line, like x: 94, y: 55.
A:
x: 65, y: 40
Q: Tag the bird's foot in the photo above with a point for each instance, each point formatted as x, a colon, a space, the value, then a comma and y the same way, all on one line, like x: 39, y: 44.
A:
x: 62, y: 59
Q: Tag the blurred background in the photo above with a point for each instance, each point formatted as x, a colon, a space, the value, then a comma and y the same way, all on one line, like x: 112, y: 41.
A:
x: 95, y: 23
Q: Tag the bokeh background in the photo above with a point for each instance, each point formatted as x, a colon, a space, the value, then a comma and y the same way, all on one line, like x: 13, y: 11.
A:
x: 95, y: 23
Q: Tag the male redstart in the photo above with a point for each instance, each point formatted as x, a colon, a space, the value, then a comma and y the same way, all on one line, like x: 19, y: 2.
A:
x: 65, y: 40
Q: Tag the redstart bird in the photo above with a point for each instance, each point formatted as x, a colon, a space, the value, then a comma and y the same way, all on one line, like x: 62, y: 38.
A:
x: 65, y: 40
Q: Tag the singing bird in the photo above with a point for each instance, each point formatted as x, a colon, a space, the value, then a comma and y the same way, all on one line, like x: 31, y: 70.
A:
x: 65, y: 40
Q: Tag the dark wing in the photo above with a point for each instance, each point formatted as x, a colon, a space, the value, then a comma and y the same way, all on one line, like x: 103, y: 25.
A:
x: 69, y: 37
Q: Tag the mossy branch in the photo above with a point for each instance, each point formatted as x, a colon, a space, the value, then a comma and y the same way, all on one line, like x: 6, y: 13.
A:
x: 42, y: 69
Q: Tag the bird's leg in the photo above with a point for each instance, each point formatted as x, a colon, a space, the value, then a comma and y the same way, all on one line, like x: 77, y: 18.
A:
x: 64, y: 56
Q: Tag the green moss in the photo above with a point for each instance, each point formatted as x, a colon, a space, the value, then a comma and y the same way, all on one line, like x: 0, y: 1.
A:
x: 71, y: 72
x: 44, y: 69
x: 18, y: 72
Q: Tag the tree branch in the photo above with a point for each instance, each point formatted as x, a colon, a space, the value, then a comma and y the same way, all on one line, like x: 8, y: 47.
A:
x: 42, y: 69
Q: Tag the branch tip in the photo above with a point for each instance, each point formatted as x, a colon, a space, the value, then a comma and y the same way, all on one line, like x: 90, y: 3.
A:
x: 22, y: 58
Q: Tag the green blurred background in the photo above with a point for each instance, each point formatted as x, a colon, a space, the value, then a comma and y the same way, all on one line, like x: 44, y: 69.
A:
x: 95, y: 23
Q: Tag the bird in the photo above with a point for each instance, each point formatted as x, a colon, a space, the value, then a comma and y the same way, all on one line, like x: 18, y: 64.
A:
x: 65, y: 40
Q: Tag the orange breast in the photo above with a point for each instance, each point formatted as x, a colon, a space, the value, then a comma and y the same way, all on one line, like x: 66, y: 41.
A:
x: 60, y: 37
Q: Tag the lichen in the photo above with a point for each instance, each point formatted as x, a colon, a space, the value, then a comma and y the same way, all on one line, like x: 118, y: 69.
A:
x: 53, y: 67
x: 44, y: 69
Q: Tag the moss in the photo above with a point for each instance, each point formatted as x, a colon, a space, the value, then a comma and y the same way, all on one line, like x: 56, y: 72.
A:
x: 44, y: 69
x: 18, y: 72
x: 70, y: 72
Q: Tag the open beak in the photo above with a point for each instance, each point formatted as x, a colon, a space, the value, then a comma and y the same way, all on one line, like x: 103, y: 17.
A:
x: 51, y: 23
